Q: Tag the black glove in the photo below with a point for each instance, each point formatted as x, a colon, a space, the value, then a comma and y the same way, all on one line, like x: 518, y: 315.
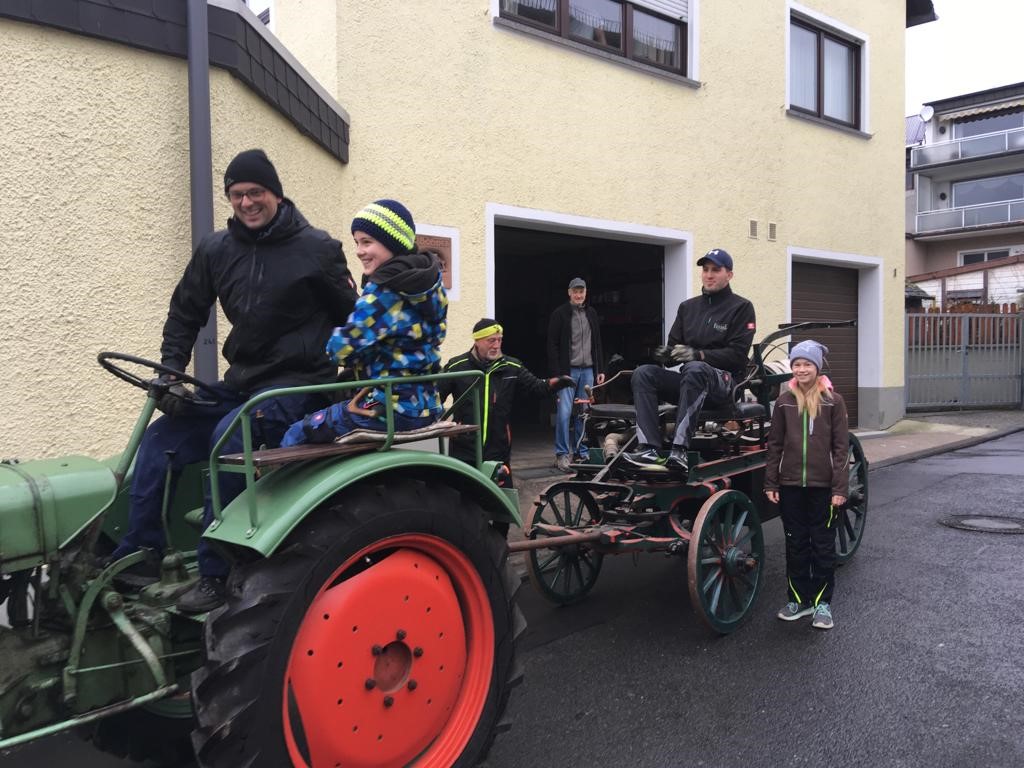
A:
x: 174, y: 401
x: 560, y: 382
x: 683, y: 354
x: 662, y: 354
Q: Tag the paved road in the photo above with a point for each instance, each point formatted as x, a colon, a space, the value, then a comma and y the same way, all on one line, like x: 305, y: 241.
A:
x: 924, y: 668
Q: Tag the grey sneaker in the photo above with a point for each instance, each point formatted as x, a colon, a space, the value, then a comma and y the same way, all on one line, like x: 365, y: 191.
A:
x: 794, y: 611
x: 562, y: 463
x: 822, y: 616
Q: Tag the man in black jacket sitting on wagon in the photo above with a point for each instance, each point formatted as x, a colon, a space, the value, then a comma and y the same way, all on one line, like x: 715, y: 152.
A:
x: 711, y: 339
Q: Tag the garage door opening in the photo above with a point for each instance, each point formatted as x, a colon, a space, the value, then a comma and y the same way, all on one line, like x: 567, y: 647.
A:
x: 822, y: 293
x: 532, y: 270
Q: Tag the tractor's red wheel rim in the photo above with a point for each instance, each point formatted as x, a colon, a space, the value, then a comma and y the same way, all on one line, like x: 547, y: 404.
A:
x: 392, y: 663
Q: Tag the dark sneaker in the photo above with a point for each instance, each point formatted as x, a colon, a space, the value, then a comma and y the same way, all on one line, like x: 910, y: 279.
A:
x: 137, y: 576
x: 794, y: 611
x: 677, y: 462
x: 205, y: 595
x: 645, y: 458
x: 822, y: 616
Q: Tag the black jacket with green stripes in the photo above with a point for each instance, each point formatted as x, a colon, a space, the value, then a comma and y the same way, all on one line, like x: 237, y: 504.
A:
x: 505, y: 379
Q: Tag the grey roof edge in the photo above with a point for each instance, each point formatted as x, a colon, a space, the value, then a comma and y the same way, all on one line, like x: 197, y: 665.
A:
x: 253, y: 21
x: 920, y: 12
x: 989, y: 95
x: 914, y: 291
x: 161, y: 27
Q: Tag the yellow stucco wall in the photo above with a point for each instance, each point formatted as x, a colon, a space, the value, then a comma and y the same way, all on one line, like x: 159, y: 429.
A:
x: 450, y: 112
x: 97, y: 227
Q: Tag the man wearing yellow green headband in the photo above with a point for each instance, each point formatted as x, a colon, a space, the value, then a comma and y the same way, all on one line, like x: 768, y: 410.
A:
x: 506, y: 378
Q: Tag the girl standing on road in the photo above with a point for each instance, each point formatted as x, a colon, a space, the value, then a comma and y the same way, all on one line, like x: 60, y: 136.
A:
x: 806, y: 476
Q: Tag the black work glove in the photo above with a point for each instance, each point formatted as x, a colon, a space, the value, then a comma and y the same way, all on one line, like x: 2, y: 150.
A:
x: 174, y: 401
x: 560, y: 382
x: 662, y: 354
x: 683, y: 354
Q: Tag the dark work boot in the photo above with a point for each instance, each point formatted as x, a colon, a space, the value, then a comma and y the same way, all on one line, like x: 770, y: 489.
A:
x: 677, y: 461
x: 205, y: 595
x: 135, y: 577
x: 645, y: 457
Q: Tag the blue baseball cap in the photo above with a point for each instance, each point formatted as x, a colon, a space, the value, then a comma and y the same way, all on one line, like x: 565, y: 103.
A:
x: 718, y: 256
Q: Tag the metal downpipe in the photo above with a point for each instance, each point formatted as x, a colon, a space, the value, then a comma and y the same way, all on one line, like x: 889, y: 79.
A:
x: 200, y: 153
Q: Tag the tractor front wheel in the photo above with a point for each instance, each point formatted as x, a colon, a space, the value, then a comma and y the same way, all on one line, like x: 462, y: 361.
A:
x: 381, y: 633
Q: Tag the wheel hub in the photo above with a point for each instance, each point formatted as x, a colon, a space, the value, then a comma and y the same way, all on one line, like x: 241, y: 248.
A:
x: 737, y: 561
x: 378, y: 663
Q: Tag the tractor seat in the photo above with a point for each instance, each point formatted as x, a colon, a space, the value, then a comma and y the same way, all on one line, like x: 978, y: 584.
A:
x: 624, y: 411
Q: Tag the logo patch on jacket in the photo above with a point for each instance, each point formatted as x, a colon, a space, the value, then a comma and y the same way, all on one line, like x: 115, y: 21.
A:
x: 721, y: 327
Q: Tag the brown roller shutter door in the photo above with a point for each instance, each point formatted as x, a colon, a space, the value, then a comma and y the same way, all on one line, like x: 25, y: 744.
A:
x: 830, y: 293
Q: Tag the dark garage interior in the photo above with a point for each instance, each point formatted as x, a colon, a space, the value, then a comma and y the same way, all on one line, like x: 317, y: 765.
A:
x: 532, y: 273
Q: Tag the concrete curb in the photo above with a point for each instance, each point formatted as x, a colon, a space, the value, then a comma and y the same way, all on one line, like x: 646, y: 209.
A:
x: 925, y: 453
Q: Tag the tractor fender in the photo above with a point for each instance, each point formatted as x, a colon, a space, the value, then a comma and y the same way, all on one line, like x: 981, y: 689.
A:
x: 282, y: 499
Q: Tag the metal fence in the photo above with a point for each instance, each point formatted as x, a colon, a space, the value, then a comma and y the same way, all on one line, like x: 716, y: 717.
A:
x: 964, y: 361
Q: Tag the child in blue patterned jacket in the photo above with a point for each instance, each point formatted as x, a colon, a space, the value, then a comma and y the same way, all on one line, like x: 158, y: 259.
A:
x: 395, y: 330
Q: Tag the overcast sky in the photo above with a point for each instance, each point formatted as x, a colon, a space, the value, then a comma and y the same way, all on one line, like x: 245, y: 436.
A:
x: 975, y: 44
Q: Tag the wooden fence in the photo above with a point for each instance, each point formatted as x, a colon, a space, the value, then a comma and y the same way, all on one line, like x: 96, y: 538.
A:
x: 989, y: 325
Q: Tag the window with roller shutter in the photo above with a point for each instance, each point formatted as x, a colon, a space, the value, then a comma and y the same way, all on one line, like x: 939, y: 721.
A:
x: 651, y: 32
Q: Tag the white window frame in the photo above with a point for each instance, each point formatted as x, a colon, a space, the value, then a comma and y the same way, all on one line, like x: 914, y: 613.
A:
x: 800, y: 12
x: 1010, y: 249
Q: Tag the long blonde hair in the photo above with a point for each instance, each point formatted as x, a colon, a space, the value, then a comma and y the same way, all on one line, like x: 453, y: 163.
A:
x: 810, y: 400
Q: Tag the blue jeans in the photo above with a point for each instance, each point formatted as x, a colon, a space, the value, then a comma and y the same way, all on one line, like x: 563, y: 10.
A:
x: 566, y: 444
x: 191, y: 436
x: 325, y: 425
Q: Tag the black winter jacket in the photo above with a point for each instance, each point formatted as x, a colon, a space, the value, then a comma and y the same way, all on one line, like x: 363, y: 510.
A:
x: 505, y: 379
x: 283, y: 289
x: 720, y: 326
x: 805, y: 453
x: 560, y: 340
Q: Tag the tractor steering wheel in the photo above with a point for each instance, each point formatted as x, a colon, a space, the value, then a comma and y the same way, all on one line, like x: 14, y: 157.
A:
x: 210, y: 398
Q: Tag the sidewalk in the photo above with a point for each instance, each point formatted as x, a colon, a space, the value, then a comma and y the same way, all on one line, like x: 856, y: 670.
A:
x: 914, y: 437
x: 925, y: 434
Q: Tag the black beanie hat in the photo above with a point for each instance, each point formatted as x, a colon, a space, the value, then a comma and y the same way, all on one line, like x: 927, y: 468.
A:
x: 253, y: 165
x: 486, y: 322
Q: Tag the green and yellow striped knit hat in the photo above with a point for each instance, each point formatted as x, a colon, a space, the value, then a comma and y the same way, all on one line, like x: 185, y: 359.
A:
x: 390, y: 224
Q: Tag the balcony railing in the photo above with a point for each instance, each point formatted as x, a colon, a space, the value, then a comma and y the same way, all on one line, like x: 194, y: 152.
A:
x: 968, y: 148
x: 971, y: 216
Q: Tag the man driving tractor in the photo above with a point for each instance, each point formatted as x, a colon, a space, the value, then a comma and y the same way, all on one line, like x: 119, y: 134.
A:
x: 283, y: 285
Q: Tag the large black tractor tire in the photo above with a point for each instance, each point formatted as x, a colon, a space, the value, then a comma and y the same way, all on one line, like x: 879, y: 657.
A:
x: 382, y: 632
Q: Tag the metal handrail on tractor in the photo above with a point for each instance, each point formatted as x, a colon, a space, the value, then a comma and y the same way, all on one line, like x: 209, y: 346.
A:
x: 242, y: 420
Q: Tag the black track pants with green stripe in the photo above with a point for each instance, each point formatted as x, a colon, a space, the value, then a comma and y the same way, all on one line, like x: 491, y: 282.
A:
x: 810, y: 543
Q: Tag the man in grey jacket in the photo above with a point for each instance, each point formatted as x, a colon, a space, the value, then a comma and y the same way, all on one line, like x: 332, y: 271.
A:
x: 574, y: 349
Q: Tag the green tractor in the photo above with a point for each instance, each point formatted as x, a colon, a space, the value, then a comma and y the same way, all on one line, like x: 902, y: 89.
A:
x: 370, y: 618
